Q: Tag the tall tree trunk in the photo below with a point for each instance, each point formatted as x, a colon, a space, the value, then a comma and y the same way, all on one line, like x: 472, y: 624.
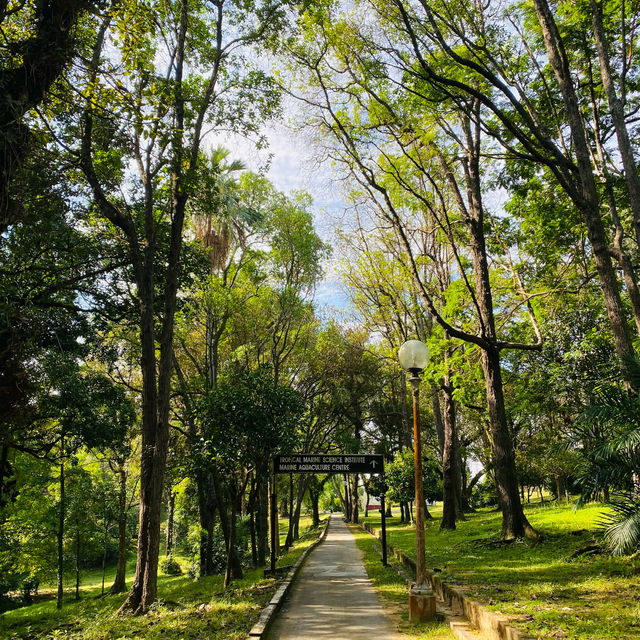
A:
x: 514, y: 522
x: 302, y: 487
x: 616, y: 108
x: 586, y: 198
x: 77, y: 559
x: 170, y: 512
x: 450, y: 471
x: 624, y: 260
x: 204, y: 516
x: 315, y: 510
x: 233, y: 569
x: 347, y: 499
x: 618, y: 250
x: 404, y: 512
x: 207, y: 504
x: 262, y: 517
x: 343, y: 497
x: 461, y: 480
x: 61, y: 516
x: 145, y: 253
x: 104, y: 552
x: 561, y: 488
x: 223, y: 505
x: 438, y: 421
x: 209, y: 569
x: 355, y: 509
x: 252, y: 521
x: 119, y: 584
x: 289, y: 539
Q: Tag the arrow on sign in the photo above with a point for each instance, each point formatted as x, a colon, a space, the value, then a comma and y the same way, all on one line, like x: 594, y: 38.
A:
x: 373, y: 464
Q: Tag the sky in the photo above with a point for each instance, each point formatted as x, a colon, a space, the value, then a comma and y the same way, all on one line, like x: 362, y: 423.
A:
x: 293, y: 165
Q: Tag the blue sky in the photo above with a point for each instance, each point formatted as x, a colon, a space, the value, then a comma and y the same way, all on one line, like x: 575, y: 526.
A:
x: 293, y: 166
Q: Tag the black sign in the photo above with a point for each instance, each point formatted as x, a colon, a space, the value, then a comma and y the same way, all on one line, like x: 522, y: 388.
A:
x: 322, y: 463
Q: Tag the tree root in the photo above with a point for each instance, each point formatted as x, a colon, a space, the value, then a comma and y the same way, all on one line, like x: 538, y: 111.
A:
x: 587, y: 550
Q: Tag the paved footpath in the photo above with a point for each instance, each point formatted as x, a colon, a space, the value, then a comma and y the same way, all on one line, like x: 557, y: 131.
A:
x: 332, y: 596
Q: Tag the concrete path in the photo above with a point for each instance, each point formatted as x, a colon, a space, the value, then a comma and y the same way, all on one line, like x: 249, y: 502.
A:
x: 332, y: 597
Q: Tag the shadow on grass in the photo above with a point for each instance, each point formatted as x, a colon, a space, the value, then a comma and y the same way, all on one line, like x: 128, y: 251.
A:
x: 594, y: 597
x: 186, y: 609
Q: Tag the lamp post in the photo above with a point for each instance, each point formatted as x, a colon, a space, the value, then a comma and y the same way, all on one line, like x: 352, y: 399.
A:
x: 413, y: 356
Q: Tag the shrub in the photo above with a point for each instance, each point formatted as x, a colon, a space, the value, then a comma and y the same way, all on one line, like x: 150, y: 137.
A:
x: 171, y: 567
x: 484, y: 494
x: 30, y: 588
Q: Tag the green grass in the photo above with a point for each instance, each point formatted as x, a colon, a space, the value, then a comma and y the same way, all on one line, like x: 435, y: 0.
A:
x: 186, y: 609
x: 536, y: 585
x: 283, y: 523
x: 393, y: 592
x: 301, y: 544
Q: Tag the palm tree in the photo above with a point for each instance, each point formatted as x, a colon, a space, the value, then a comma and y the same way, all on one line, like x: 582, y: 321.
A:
x: 219, y: 212
x: 612, y: 424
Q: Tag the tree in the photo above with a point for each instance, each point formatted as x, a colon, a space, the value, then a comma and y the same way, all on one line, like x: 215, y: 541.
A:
x: 167, y: 111
x: 400, y: 479
x: 46, y: 261
x: 37, y: 46
x: 399, y: 163
x: 245, y: 422
x: 90, y: 411
x: 610, y: 439
x: 388, y: 296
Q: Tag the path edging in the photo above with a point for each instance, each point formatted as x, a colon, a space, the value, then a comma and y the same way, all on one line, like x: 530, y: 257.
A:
x: 261, y: 627
x: 495, y: 625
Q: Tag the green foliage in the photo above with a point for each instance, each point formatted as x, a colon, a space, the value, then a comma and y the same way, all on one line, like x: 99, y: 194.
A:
x: 621, y: 524
x: 179, y: 611
x: 400, y: 477
x: 610, y: 439
x: 30, y: 588
x: 250, y: 417
x: 171, y: 567
x: 28, y: 541
x: 484, y: 494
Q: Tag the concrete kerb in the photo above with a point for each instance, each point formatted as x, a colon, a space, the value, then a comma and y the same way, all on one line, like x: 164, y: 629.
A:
x: 494, y: 625
x: 261, y: 627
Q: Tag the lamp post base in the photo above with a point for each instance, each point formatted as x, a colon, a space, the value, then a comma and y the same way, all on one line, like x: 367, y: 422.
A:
x: 422, y: 604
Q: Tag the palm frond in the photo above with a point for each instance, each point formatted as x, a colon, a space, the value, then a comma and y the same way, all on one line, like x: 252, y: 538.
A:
x: 621, y: 526
x: 609, y: 436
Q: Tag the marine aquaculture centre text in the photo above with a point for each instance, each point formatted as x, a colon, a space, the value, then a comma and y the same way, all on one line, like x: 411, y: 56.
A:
x: 328, y: 464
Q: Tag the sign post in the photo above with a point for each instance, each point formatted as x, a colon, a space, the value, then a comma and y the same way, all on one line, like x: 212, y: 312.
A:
x: 324, y: 463
x: 383, y: 521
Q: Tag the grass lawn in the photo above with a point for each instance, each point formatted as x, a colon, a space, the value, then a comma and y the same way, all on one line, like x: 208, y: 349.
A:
x: 305, y: 523
x: 300, y: 545
x: 393, y: 592
x: 545, y: 593
x: 186, y: 609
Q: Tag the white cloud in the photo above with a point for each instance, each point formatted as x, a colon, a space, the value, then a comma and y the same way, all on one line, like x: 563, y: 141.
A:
x: 293, y: 164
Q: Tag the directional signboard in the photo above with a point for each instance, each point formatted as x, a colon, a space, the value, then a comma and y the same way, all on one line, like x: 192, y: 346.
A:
x: 323, y: 463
